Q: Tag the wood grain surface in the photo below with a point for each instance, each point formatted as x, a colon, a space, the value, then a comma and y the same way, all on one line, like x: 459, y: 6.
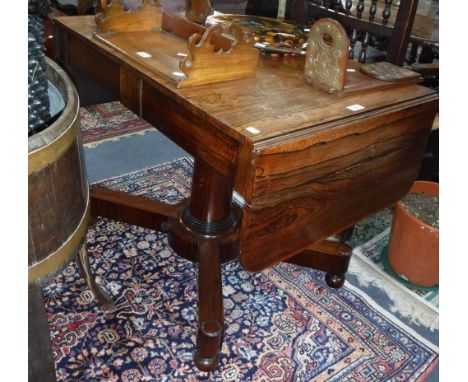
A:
x: 303, y: 193
x: 57, y: 196
x: 277, y: 97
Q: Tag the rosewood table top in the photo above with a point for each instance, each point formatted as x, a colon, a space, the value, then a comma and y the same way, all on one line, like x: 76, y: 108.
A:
x: 268, y: 134
x: 277, y: 98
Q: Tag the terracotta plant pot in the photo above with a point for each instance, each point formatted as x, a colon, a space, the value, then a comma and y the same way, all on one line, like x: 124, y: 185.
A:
x: 413, y: 248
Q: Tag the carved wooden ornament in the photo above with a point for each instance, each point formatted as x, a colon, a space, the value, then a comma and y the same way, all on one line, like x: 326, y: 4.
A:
x: 207, y: 64
x: 184, y: 52
x: 327, y: 55
x: 128, y: 15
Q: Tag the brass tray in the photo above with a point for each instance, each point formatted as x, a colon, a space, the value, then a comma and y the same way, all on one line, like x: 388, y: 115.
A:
x: 267, y: 34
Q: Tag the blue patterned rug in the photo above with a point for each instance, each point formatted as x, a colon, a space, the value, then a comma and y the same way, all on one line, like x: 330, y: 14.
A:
x: 284, y: 324
x: 167, y: 182
x: 109, y: 121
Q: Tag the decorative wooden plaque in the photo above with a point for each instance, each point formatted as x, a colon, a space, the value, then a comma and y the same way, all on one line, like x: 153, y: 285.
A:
x: 327, y: 55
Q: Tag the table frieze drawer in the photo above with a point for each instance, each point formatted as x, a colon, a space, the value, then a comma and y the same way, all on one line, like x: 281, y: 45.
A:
x: 190, y: 131
x: 98, y: 67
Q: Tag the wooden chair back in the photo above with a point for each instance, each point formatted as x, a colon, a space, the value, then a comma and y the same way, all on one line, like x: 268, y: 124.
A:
x: 375, y: 22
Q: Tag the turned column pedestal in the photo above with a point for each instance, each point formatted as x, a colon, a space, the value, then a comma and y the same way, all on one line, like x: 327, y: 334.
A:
x: 205, y: 231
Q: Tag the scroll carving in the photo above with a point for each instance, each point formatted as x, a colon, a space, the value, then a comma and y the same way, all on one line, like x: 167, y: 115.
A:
x: 205, y: 60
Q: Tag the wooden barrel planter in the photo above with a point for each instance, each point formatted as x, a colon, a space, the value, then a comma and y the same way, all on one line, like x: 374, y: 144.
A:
x: 59, y: 213
x: 58, y: 192
x: 58, y: 196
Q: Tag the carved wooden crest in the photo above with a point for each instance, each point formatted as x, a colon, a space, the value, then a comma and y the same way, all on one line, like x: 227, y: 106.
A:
x: 128, y: 15
x: 327, y: 55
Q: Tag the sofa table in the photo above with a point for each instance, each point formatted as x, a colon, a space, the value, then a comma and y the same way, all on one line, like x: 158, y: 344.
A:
x: 303, y: 164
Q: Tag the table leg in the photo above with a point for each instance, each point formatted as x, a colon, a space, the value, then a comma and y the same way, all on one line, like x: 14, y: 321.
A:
x: 206, y: 231
x: 203, y: 230
x: 210, y: 306
x: 131, y: 209
x: 329, y: 256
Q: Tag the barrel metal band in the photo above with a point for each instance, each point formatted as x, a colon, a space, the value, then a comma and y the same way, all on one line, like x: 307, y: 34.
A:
x: 49, y: 153
x: 63, y: 253
x: 207, y: 227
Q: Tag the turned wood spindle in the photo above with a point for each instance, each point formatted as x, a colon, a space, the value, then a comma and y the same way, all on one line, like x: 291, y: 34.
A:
x: 352, y: 44
x: 360, y: 9
x: 348, y: 6
x: 372, y: 10
x: 413, y: 53
x: 427, y: 54
x: 365, y: 44
x: 386, y: 12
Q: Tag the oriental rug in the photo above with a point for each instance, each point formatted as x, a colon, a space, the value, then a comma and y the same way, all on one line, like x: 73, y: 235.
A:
x: 109, y: 121
x: 283, y: 324
x: 167, y: 182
